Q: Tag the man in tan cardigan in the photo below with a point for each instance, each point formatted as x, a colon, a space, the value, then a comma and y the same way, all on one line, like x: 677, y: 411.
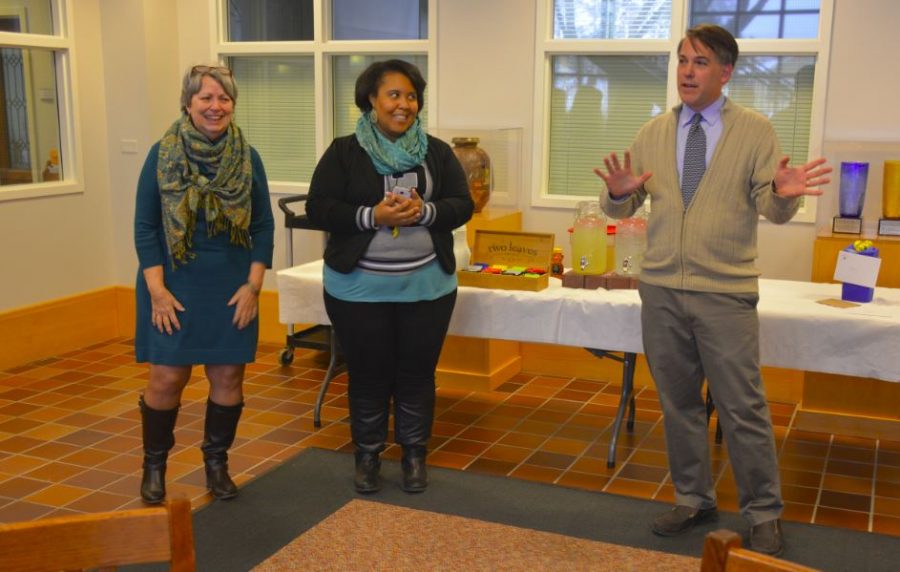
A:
x: 709, y: 178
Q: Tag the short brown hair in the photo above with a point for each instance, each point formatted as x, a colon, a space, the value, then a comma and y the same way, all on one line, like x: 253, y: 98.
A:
x: 717, y: 39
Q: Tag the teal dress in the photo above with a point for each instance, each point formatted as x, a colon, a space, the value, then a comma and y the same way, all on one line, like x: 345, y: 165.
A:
x: 204, y: 285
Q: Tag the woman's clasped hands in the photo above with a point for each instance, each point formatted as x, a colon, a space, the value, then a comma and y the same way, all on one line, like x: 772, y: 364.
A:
x: 396, y: 210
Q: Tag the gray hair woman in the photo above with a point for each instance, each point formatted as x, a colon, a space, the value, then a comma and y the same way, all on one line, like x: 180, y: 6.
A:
x: 203, y: 233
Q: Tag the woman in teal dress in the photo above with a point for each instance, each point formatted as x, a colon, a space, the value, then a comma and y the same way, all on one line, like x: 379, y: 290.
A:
x: 203, y: 232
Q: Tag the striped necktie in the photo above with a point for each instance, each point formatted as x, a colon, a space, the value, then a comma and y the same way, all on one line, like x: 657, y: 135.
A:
x: 694, y: 160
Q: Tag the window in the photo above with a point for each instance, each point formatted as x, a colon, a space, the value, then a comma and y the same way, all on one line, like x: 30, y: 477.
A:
x: 36, y: 118
x: 608, y: 68
x: 296, y: 89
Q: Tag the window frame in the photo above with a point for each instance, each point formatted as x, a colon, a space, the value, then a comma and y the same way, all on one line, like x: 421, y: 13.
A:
x: 546, y: 47
x: 322, y: 48
x: 62, y: 47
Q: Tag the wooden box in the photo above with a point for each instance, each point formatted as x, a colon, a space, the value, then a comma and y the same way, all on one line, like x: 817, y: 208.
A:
x: 511, y: 249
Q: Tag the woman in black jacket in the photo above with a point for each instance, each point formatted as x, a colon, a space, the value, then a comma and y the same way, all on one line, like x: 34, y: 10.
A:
x: 389, y: 197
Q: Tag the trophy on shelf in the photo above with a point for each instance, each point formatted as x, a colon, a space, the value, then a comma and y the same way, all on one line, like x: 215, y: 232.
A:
x: 890, y: 200
x: 851, y: 197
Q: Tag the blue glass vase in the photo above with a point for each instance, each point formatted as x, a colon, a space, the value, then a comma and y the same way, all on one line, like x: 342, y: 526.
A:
x: 853, y: 188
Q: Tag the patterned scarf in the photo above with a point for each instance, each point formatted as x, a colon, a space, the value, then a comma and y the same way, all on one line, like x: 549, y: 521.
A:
x: 184, y: 155
x: 392, y: 156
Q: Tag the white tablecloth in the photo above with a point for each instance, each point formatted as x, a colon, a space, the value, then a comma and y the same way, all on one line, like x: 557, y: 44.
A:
x: 795, y: 331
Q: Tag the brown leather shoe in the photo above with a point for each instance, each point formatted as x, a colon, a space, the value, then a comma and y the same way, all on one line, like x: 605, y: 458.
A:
x: 682, y: 519
x: 767, y: 538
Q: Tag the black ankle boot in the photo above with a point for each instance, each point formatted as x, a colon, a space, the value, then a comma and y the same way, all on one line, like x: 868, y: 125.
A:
x: 415, y: 476
x: 158, y: 426
x: 218, y: 435
x: 367, y: 478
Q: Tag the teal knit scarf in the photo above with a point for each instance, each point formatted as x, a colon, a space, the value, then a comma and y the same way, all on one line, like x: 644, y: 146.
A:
x: 392, y: 156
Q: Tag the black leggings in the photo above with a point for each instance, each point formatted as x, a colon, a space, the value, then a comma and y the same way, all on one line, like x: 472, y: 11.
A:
x: 392, y: 350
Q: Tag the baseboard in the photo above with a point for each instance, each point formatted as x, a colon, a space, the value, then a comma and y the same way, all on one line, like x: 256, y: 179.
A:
x: 58, y: 326
x: 848, y: 424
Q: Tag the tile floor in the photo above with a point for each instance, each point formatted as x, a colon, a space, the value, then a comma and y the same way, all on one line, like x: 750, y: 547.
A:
x: 70, y: 439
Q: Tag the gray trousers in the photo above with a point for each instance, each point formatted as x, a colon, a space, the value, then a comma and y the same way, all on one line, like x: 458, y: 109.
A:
x: 689, y: 336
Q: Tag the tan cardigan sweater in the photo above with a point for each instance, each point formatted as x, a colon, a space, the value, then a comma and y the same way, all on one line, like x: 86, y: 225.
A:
x: 711, y: 245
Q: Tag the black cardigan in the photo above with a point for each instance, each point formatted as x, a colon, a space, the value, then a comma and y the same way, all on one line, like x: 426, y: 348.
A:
x: 345, y: 179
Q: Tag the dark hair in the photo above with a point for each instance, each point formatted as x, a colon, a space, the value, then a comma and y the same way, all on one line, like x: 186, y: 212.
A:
x: 370, y: 79
x: 717, y: 39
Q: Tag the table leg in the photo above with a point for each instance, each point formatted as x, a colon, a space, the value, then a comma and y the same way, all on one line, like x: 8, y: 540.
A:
x: 329, y: 375
x: 627, y: 360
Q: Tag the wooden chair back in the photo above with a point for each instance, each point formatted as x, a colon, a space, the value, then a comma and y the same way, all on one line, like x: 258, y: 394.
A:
x: 722, y: 552
x: 101, y: 541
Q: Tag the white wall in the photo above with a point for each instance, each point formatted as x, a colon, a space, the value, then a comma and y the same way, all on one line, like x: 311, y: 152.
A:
x: 140, y: 55
x: 52, y: 247
x: 130, y: 55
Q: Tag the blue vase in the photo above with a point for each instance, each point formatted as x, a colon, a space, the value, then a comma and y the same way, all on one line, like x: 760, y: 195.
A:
x: 853, y: 188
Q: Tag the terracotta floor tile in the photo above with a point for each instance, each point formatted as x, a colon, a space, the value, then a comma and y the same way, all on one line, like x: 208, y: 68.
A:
x: 48, y: 432
x: 886, y: 524
x: 507, y: 453
x: 577, y: 432
x: 94, y: 479
x: 552, y: 460
x: 887, y: 506
x: 481, y: 434
x: 844, y: 518
x: 795, y: 494
x: 636, y: 472
x: 535, y: 473
x: 491, y: 467
x: 845, y: 484
x: 848, y: 468
x: 19, y: 444
x: 20, y: 510
x: 20, y: 464
x: 798, y: 512
x: 883, y: 472
x: 464, y: 447
x: 802, y: 463
x: 18, y: 425
x: 53, y: 450
x: 564, y: 446
x: 587, y: 481
x: 629, y: 488
x: 800, y: 478
x: 848, y: 501
x: 55, y: 471
x: 122, y: 464
x: 496, y: 423
x: 284, y: 436
x: 526, y: 440
x: 883, y: 489
x: 536, y: 427
x: 57, y: 495
x: 855, y: 454
x: 19, y: 487
x: 446, y: 459
x: 99, y: 501
x: 888, y: 457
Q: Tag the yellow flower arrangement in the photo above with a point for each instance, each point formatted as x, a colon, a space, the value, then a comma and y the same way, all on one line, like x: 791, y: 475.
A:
x: 862, y: 245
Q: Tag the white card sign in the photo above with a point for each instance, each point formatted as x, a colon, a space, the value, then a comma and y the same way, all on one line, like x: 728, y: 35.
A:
x: 857, y: 269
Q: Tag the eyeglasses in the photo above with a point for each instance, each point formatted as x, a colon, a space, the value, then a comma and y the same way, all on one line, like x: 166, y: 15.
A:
x: 206, y: 69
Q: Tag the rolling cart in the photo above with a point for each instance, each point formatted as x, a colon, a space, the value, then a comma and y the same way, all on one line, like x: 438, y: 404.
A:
x: 320, y: 336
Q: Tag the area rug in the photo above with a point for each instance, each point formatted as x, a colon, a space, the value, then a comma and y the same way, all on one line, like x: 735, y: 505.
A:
x: 280, y: 506
x: 365, y: 535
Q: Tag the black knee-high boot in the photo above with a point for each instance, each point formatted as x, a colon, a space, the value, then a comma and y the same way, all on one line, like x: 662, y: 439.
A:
x: 368, y: 429
x: 413, y: 418
x: 158, y: 428
x: 220, y: 428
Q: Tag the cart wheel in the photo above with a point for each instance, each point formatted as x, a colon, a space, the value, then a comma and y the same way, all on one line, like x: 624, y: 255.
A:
x: 286, y: 357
